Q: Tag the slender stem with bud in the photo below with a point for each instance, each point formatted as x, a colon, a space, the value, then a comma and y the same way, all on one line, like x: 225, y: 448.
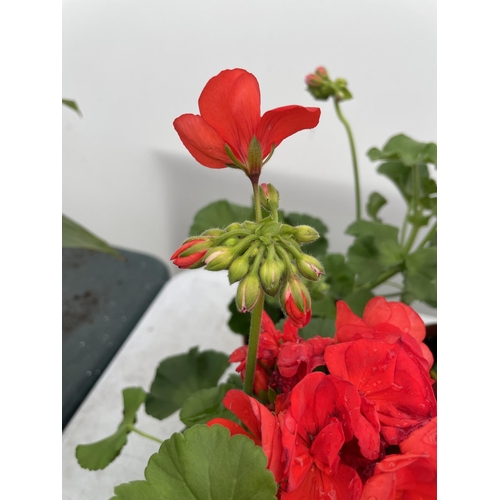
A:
x: 354, y: 158
x: 256, y: 319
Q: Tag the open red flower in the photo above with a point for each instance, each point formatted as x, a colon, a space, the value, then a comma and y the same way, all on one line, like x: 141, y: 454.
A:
x: 323, y: 413
x: 410, y: 476
x: 231, y: 131
x: 396, y: 388
x: 387, y: 321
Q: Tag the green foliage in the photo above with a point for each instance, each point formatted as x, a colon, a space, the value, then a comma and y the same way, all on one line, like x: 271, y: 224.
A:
x: 204, y: 463
x: 420, y: 277
x: 72, y: 104
x: 206, y: 404
x: 76, y: 236
x: 219, y: 214
x: 178, y: 377
x: 339, y: 275
x: 324, y: 327
x: 375, y: 202
x: 405, y: 150
x: 357, y: 300
x: 96, y: 456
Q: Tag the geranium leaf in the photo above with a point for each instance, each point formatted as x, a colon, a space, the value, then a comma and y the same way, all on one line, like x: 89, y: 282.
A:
x: 72, y: 104
x: 219, y: 214
x: 76, y: 236
x: 324, y: 327
x: 206, y: 404
x: 338, y: 275
x: 180, y: 376
x: 385, y: 240
x: 99, y: 455
x: 204, y: 463
x: 420, y: 277
x: 319, y: 247
x: 358, y: 300
x: 375, y: 202
x: 402, y: 148
x: 324, y: 307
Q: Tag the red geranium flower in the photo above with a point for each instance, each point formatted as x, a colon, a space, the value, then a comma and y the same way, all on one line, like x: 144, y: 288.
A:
x: 231, y: 131
x: 396, y: 388
x: 323, y: 413
x: 410, y: 476
x: 388, y: 321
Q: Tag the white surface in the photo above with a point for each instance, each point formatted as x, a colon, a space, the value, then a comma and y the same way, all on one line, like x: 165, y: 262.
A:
x: 190, y: 310
x: 133, y: 67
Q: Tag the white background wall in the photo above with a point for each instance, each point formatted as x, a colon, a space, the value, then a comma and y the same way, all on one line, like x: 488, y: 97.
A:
x: 134, y: 66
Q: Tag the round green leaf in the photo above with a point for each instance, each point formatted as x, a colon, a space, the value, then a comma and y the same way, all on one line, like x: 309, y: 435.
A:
x: 204, y: 463
x: 180, y: 376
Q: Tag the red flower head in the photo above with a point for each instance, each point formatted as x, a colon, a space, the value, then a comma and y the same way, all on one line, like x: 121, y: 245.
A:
x: 324, y: 412
x: 410, y: 476
x: 388, y: 321
x: 231, y: 132
x: 189, y: 255
x: 396, y: 389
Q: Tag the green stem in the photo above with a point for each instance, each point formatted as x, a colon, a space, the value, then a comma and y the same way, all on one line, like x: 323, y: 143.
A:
x: 428, y: 236
x: 354, y: 158
x: 253, y: 344
x: 256, y: 199
x: 411, y: 239
x: 143, y: 434
x: 256, y: 319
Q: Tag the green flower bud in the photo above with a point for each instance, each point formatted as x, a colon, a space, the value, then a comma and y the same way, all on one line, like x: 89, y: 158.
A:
x: 213, y: 232
x: 309, y: 267
x: 269, y: 197
x: 286, y: 230
x: 270, y: 273
x: 238, y: 269
x: 218, y: 258
x: 230, y: 242
x: 250, y: 225
x: 305, y: 234
x: 233, y: 226
x: 248, y: 293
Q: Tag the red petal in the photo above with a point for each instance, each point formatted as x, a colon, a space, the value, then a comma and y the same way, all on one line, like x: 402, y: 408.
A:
x: 202, y: 141
x: 262, y: 424
x: 349, y: 326
x: 234, y: 428
x: 422, y: 441
x: 326, y: 446
x: 222, y: 97
x: 344, y: 485
x: 280, y: 123
x: 378, y: 310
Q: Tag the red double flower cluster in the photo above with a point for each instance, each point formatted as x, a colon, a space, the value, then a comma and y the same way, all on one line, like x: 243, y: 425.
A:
x: 365, y: 429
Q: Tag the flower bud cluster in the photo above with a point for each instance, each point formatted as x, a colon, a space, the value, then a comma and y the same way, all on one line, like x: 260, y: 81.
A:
x: 264, y: 257
x: 322, y: 87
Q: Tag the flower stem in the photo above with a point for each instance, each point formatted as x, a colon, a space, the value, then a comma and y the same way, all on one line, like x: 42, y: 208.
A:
x: 354, y: 158
x: 428, y: 236
x: 143, y: 434
x: 256, y: 199
x: 382, y: 278
x: 253, y: 344
x: 253, y: 339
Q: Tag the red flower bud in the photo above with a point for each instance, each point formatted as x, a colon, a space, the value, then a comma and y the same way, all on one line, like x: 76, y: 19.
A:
x: 313, y: 80
x: 183, y: 258
x: 321, y: 71
x: 296, y: 302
